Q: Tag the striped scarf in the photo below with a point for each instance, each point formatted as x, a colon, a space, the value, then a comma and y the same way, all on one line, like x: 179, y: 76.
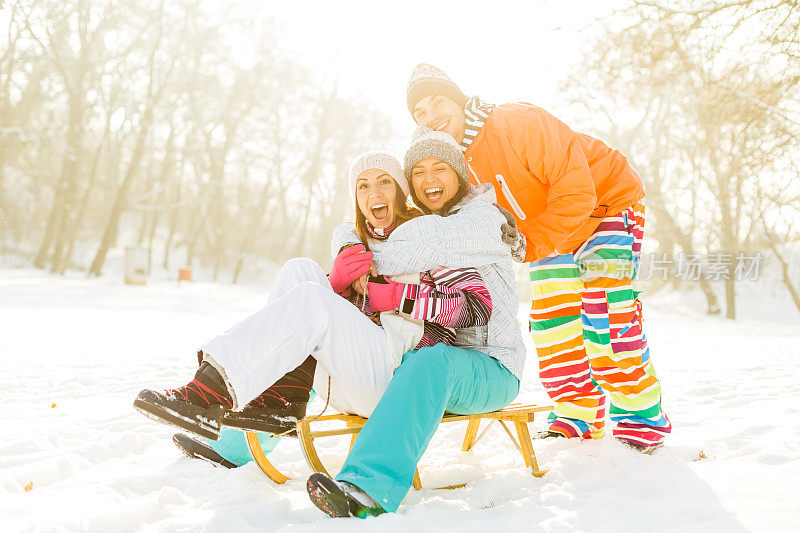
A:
x: 475, y: 114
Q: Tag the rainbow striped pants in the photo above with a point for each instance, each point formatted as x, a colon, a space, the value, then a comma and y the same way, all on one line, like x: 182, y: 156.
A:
x: 586, y: 322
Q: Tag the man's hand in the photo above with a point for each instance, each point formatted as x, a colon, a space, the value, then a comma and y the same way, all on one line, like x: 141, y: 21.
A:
x: 512, y: 236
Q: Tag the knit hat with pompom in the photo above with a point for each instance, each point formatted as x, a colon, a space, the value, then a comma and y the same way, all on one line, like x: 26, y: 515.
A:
x: 437, y: 144
x: 427, y: 80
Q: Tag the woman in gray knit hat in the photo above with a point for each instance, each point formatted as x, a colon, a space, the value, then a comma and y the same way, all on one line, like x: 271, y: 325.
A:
x: 479, y: 374
x: 436, y: 170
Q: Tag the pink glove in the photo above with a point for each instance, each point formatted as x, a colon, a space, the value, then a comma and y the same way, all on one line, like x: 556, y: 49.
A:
x: 351, y: 263
x: 385, y: 296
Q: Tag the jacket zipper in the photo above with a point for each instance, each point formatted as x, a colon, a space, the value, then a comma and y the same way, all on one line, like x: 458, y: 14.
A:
x: 510, y: 197
x: 472, y: 171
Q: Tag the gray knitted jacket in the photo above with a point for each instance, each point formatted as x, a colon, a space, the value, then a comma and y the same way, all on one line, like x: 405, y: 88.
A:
x: 469, y: 237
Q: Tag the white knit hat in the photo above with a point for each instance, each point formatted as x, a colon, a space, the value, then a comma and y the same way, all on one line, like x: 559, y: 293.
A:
x: 380, y: 160
x: 431, y: 143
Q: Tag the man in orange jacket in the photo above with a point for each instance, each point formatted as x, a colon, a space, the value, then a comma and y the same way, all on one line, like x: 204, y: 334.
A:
x: 579, y: 209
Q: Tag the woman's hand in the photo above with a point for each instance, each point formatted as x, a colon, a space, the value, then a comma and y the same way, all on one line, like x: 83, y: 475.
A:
x: 384, y: 294
x: 360, y: 285
x: 352, y: 263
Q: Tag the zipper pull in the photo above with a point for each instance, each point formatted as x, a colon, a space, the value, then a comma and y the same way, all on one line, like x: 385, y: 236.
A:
x: 510, y: 197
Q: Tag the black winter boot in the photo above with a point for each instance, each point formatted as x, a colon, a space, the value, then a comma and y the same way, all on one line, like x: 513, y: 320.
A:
x: 195, y: 449
x: 277, y: 409
x: 340, y: 499
x: 548, y: 435
x: 197, y: 407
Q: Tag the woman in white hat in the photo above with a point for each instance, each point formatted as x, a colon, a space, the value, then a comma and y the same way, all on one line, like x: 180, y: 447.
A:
x: 358, y: 346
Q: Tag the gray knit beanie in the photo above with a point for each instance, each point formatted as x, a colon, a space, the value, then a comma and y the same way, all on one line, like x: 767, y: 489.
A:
x: 380, y: 160
x: 427, y: 80
x: 438, y: 144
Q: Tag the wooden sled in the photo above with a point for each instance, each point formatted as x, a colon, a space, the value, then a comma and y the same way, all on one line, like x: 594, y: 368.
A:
x: 519, y: 415
x: 261, y: 459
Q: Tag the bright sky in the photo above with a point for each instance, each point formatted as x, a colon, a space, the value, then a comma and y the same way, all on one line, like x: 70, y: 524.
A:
x: 500, y: 50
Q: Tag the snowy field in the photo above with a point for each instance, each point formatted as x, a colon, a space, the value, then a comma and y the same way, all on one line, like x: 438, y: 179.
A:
x: 75, y: 456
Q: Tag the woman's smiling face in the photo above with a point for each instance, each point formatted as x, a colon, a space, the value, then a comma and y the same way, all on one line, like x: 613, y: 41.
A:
x: 376, y: 193
x: 434, y: 182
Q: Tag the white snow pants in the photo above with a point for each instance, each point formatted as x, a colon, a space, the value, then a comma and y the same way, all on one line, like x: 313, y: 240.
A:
x: 305, y: 317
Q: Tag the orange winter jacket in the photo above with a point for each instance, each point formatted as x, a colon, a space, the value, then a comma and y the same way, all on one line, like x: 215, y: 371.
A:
x: 558, y: 183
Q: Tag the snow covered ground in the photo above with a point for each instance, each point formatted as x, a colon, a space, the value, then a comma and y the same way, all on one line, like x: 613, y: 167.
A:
x: 75, y: 456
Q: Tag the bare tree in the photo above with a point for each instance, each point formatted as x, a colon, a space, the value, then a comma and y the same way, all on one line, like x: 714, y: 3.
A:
x: 136, y: 122
x: 158, y: 76
x: 50, y: 24
x: 710, y: 125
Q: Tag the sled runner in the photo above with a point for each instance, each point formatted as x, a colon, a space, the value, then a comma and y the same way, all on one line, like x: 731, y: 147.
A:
x: 261, y: 459
x: 516, y: 414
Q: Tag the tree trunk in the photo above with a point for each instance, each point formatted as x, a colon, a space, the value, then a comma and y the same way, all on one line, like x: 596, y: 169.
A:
x: 151, y: 239
x: 173, y: 224
x: 255, y: 220
x: 258, y: 211
x: 145, y: 223
x: 66, y: 179
x: 175, y: 215
x: 120, y: 204
x: 727, y: 219
x: 75, y: 225
x: 787, y: 279
x: 684, y: 241
x: 63, y: 204
x: 730, y: 298
x: 199, y: 223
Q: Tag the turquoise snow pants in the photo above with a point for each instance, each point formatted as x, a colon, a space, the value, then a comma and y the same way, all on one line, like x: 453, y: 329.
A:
x: 429, y: 382
x: 232, y: 445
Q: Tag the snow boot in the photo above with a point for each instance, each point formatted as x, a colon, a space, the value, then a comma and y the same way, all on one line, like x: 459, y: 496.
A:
x: 340, y: 499
x: 645, y: 449
x: 195, y: 449
x: 268, y: 414
x: 198, y: 407
x: 277, y: 409
x: 548, y: 435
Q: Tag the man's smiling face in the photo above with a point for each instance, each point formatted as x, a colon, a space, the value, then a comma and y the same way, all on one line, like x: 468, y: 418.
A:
x: 441, y: 113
